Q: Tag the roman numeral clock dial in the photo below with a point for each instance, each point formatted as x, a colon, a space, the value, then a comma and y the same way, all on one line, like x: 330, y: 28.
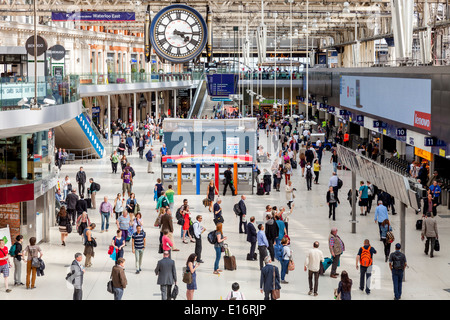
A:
x: 178, y: 33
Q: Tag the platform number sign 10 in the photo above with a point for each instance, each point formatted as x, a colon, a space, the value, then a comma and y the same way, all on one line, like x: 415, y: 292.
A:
x: 401, y: 132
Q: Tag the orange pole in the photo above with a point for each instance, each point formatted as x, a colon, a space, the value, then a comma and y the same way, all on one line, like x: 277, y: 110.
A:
x: 235, y: 174
x: 179, y: 179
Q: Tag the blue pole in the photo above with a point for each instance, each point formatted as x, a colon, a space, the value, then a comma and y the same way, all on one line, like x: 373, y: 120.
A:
x: 198, y: 178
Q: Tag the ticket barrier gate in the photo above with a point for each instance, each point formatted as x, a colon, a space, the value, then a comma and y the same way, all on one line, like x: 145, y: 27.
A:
x: 195, y: 178
x: 206, y: 175
x: 244, y: 178
x: 189, y: 178
x: 169, y: 175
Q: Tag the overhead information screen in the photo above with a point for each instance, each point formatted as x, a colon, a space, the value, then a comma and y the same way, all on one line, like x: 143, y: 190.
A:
x: 220, y: 85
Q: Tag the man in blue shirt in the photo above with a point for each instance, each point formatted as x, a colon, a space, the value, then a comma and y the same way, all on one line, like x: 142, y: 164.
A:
x: 263, y: 244
x: 381, y: 214
x: 130, y: 144
x: 149, y: 157
x: 435, y: 189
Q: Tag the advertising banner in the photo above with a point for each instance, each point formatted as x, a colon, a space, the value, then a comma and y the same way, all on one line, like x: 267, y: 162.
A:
x: 93, y: 16
x: 6, y: 236
x: 404, y: 100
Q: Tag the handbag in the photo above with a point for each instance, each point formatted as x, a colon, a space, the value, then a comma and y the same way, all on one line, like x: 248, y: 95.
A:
x: 337, y: 296
x: 437, y: 246
x: 174, y: 293
x: 187, y: 276
x: 109, y: 287
x: 291, y: 265
x: 275, y: 292
x: 69, y: 227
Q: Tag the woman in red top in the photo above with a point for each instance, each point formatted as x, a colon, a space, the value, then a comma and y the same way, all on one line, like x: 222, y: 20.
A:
x: 187, y: 223
x: 167, y: 244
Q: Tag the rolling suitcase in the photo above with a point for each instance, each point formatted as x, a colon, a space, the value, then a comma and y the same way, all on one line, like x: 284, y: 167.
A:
x: 229, y: 260
x: 294, y: 164
x: 89, y: 203
x: 260, y: 189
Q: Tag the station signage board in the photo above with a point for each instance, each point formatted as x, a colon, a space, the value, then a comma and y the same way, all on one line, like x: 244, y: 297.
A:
x: 93, y: 16
x: 41, y: 45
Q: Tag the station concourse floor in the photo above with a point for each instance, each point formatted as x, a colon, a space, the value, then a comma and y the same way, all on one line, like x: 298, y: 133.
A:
x: 426, y: 278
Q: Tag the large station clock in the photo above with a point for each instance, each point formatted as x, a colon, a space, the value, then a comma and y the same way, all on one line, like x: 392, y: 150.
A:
x: 178, y: 33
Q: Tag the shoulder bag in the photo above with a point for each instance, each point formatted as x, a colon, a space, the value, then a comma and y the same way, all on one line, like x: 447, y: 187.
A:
x: 291, y: 265
x: 275, y: 292
x: 109, y: 286
x: 337, y: 296
x: 187, y: 276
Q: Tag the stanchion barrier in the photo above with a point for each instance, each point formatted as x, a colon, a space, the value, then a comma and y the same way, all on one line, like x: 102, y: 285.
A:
x: 216, y: 176
x: 235, y: 178
x: 197, y: 178
x: 179, y: 179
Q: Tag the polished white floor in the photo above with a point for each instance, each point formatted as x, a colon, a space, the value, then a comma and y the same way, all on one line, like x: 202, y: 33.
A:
x: 425, y: 278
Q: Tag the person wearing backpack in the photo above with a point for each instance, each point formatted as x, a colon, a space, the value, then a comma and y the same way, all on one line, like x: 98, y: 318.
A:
x: 33, y: 252
x: 16, y: 253
x: 397, y: 264
x: 308, y: 176
x: 218, y: 245
x: 93, y: 189
x: 363, y: 198
x: 241, y: 212
x: 365, y: 260
x: 149, y: 157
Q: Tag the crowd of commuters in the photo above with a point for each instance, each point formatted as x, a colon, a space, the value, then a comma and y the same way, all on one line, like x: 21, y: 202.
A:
x: 295, y: 154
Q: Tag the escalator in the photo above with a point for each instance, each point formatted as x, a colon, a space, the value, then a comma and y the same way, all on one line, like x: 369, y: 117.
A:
x: 80, y: 134
x: 201, y: 95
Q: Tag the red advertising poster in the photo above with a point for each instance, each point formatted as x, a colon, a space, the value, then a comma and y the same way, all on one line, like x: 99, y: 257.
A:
x: 422, y: 120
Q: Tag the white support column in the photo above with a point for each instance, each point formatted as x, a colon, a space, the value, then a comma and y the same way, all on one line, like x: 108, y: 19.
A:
x: 156, y: 106
x: 175, y: 103
x: 402, y: 24
x: 109, y: 119
x: 24, y: 157
x: 134, y: 111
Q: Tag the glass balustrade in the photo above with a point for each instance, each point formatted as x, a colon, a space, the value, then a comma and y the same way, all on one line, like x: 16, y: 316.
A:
x: 18, y: 92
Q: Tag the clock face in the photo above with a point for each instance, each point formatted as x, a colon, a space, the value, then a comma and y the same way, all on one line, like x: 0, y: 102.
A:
x: 178, y: 33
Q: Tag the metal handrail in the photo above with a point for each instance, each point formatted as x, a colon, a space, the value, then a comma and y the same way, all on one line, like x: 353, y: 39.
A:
x: 94, y: 127
x: 86, y: 153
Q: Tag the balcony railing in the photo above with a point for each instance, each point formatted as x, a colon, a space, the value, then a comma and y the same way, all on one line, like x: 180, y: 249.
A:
x: 58, y: 90
x: 134, y: 77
